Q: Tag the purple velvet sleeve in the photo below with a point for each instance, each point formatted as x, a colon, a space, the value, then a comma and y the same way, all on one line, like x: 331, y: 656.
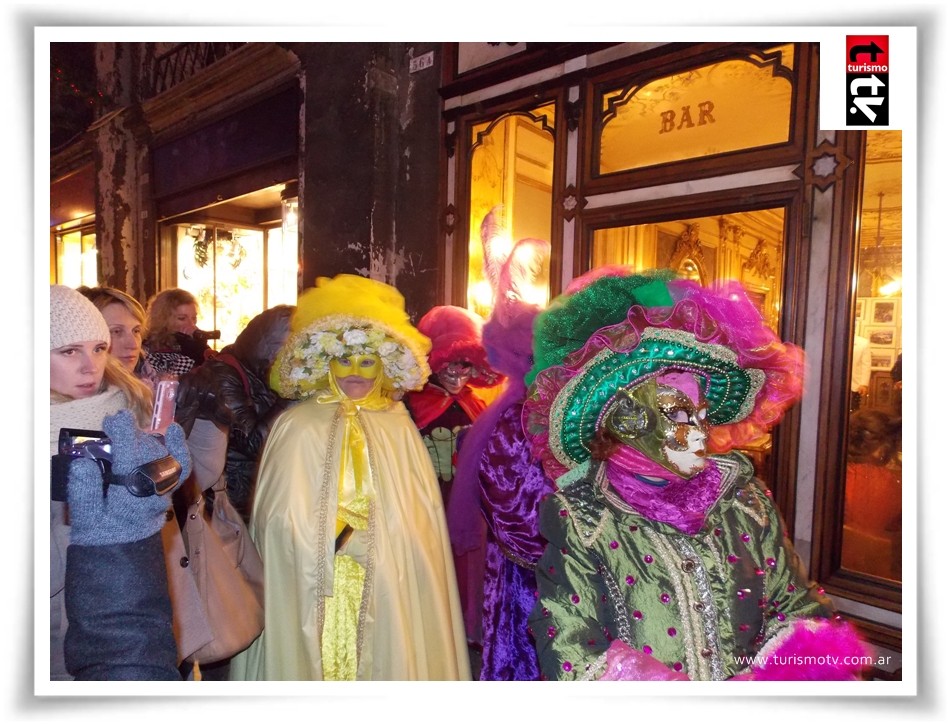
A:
x: 508, y: 652
x: 463, y: 510
x: 513, y: 484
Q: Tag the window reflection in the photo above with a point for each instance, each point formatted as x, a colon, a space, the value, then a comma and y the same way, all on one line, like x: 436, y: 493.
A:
x: 871, y: 527
x: 512, y: 173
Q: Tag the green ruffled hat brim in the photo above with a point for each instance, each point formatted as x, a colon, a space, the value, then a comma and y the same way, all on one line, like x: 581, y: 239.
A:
x: 578, y: 409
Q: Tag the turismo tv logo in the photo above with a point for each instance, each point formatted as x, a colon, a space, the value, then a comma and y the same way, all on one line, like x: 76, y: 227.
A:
x: 866, y: 75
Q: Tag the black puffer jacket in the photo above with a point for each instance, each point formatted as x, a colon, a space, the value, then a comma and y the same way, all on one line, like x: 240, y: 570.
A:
x: 231, y: 389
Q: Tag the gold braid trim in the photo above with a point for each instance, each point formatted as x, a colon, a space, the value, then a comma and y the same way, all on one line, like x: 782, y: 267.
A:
x: 695, y: 665
x: 327, y: 484
x: 370, y: 580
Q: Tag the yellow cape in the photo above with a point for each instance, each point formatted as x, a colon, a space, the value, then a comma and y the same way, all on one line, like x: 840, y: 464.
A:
x: 410, y: 620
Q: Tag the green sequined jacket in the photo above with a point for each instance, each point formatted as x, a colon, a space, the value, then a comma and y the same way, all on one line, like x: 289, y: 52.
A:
x: 697, y: 603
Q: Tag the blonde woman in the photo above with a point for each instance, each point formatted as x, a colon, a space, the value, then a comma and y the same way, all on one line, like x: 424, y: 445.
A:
x: 126, y: 319
x: 87, y: 384
x: 172, y: 319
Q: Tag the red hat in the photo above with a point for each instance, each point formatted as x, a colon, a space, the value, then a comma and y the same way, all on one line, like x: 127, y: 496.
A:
x: 456, y: 335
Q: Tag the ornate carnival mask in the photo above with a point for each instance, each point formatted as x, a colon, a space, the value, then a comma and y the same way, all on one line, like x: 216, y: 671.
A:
x: 455, y: 376
x: 665, y: 419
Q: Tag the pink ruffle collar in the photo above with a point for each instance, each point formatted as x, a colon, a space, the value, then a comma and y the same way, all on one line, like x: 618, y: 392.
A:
x: 658, y: 494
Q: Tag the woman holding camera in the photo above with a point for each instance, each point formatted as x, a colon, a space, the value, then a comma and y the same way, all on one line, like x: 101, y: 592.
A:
x: 171, y: 347
x: 88, y: 384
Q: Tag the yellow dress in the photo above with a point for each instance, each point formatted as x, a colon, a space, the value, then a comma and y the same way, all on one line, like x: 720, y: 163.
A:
x: 407, y: 621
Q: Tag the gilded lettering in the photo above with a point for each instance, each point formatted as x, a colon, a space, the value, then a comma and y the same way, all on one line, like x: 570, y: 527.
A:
x: 686, y: 119
x: 666, y: 121
x: 668, y: 118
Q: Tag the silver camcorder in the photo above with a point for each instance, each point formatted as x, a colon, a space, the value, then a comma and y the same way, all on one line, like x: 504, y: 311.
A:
x: 155, y: 478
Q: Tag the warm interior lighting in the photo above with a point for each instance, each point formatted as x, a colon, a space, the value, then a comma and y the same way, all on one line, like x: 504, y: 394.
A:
x: 71, y: 263
x: 90, y: 275
x: 222, y: 268
x: 536, y: 294
x: 511, y: 176
x: 290, y: 216
x: 481, y: 293
x: 523, y: 257
x: 77, y: 258
x: 500, y: 247
x: 526, y: 256
x: 282, y: 261
x: 891, y: 288
x: 642, y: 121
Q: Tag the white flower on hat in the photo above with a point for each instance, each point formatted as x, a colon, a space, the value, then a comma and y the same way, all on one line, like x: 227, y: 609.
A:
x: 310, y: 353
x: 355, y: 337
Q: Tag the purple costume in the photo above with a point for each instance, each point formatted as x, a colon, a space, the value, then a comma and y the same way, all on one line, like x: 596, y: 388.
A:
x: 496, y: 466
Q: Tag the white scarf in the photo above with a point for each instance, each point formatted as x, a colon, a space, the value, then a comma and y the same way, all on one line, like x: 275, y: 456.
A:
x: 84, y: 413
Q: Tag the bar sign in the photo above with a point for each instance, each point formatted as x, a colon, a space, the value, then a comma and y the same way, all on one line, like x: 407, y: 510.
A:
x: 867, y: 78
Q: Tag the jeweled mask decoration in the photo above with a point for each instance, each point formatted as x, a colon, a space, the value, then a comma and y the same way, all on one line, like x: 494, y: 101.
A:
x: 665, y: 419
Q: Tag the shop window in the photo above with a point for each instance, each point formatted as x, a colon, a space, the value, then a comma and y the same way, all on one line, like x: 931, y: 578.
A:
x: 223, y: 267
x: 238, y: 258
x: 747, y: 246
x: 731, y: 105
x: 511, y: 177
x: 77, y: 258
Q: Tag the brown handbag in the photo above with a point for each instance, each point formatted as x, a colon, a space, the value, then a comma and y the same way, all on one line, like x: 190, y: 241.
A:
x: 229, y: 574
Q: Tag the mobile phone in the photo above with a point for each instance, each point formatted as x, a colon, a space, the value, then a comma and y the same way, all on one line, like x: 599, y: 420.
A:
x: 163, y: 412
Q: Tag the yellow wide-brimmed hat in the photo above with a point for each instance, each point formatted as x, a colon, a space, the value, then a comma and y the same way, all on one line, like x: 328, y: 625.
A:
x: 350, y: 315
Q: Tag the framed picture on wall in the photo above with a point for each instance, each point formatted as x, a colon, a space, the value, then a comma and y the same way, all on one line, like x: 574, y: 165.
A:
x: 882, y: 359
x: 883, y: 312
x: 858, y: 311
x: 881, y: 335
x: 757, y: 298
x: 881, y: 391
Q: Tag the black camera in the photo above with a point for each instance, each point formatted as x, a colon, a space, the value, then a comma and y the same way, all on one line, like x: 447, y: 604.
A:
x: 206, y: 335
x: 155, y: 478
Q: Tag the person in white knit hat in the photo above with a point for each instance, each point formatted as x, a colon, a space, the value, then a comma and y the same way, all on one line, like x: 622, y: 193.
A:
x: 80, y: 397
x: 87, y: 384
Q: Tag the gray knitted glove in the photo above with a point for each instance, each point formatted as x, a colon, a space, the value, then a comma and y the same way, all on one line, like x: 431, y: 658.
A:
x: 119, y: 517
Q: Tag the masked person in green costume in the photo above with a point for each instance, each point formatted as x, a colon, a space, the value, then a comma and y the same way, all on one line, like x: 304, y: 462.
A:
x: 666, y: 557
x: 347, y: 516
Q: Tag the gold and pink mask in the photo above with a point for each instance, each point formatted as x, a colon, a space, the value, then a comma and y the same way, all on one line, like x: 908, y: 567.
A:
x: 665, y: 419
